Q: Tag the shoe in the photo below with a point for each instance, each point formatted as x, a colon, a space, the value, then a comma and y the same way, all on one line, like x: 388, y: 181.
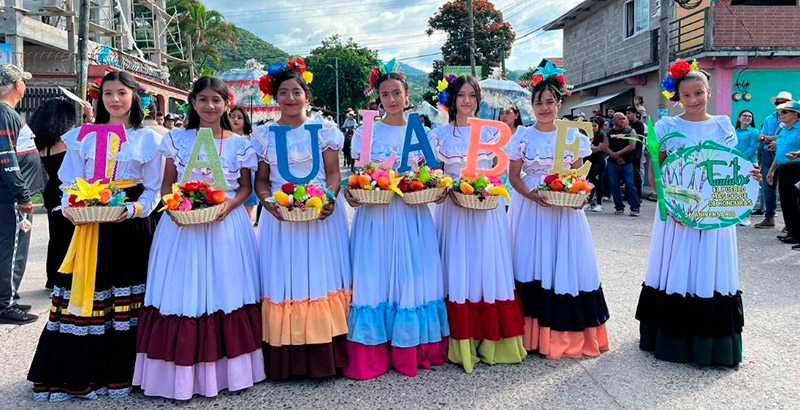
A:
x: 757, y: 212
x: 619, y: 212
x: 597, y: 208
x: 790, y: 240
x: 784, y: 230
x: 634, y: 213
x: 796, y: 247
x: 24, y: 308
x: 746, y: 222
x: 13, y: 316
x: 782, y: 237
x: 766, y: 224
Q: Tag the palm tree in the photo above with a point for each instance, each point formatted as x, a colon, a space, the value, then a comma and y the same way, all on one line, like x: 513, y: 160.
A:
x: 207, y: 30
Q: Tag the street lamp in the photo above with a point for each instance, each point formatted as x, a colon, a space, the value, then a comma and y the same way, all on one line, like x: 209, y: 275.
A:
x: 336, y: 73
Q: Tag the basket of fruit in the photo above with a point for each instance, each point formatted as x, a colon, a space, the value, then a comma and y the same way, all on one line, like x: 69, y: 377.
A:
x: 567, y: 190
x: 479, y: 192
x: 373, y: 186
x: 423, y: 185
x: 194, y: 203
x: 301, y: 203
x: 95, y: 202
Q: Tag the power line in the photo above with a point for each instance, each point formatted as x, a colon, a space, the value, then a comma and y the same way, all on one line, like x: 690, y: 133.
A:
x: 345, y: 12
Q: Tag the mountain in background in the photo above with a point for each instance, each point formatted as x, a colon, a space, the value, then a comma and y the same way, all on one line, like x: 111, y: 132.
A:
x: 409, y: 70
x: 248, y: 46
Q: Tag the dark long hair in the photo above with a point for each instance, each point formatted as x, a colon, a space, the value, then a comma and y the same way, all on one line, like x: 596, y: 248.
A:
x: 216, y: 85
x: 137, y: 112
x: 548, y: 84
x: 753, y: 124
x: 52, y: 120
x: 248, y: 125
x: 454, y: 88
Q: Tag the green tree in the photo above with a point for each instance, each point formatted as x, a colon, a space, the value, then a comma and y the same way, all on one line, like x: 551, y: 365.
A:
x: 355, y: 63
x: 209, y: 33
x: 492, y: 34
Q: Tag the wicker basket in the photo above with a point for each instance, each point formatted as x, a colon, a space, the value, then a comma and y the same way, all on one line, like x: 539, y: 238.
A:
x: 298, y: 215
x: 372, y: 197
x: 472, y: 201
x: 197, y: 216
x: 565, y: 199
x: 90, y: 214
x: 422, y: 197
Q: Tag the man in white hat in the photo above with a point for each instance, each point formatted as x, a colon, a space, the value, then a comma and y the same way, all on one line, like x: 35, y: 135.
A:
x: 788, y: 168
x: 769, y: 132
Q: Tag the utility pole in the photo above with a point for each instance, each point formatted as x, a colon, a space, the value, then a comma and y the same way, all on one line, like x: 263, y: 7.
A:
x: 471, y: 36
x: 338, y: 118
x: 503, y: 54
x: 664, y: 53
x: 82, y: 64
x: 190, y: 55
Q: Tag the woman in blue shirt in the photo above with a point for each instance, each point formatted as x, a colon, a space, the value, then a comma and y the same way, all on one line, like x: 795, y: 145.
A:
x: 786, y: 144
x: 747, y: 135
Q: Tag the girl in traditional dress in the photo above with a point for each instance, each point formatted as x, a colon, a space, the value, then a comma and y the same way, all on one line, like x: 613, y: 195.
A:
x: 398, y: 316
x: 305, y: 266
x: 200, y: 330
x: 554, y: 259
x: 483, y: 311
x: 690, y: 308
x: 91, y: 352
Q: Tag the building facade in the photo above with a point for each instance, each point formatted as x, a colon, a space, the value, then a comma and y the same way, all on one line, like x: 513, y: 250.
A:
x: 41, y: 37
x: 611, y: 52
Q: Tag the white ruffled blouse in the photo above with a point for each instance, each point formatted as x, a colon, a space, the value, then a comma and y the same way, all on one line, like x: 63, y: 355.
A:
x: 537, y: 149
x: 385, y: 140
x: 137, y: 159
x: 451, y: 145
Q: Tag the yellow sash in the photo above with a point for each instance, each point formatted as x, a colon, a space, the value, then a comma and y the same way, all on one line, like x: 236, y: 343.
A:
x: 81, y: 262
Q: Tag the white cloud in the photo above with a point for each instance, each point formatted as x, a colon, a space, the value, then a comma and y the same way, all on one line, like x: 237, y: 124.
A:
x: 394, y: 28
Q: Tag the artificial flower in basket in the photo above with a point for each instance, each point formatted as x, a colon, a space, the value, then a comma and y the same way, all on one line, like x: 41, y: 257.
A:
x: 301, y: 203
x: 372, y: 185
x: 94, y: 202
x: 423, y: 185
x: 479, y: 192
x: 567, y: 190
x: 194, y: 203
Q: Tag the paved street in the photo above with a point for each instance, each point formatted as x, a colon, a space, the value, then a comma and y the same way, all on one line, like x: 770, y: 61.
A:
x: 624, y: 377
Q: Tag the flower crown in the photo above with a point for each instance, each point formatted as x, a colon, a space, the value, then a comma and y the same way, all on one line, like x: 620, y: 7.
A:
x: 441, y: 86
x: 295, y: 64
x: 379, y: 70
x: 677, y: 70
x: 552, y: 73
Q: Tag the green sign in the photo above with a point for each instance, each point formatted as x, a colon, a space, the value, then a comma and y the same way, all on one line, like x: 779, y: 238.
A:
x: 459, y: 70
x: 708, y: 186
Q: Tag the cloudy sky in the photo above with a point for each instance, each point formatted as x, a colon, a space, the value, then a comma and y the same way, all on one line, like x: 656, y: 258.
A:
x: 396, y: 28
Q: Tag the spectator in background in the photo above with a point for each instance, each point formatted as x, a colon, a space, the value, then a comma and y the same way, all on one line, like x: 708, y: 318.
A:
x: 769, y: 132
x: 511, y: 117
x: 598, y: 160
x: 638, y: 102
x: 349, y: 128
x: 151, y: 122
x: 634, y: 121
x: 169, y: 121
x: 426, y: 121
x: 747, y: 141
x: 620, y: 165
x: 240, y: 124
x: 160, y: 118
x: 49, y: 122
x: 20, y: 176
x: 786, y: 144
x: 610, y: 116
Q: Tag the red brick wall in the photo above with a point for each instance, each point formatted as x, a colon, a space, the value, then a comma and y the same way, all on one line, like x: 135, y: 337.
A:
x: 771, y: 26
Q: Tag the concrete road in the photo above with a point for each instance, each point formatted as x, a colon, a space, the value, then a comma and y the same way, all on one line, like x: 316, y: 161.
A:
x: 624, y: 377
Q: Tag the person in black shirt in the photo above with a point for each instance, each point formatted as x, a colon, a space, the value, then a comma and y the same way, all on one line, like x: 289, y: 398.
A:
x: 621, y: 155
x: 598, y: 160
x: 15, y: 197
x: 635, y: 121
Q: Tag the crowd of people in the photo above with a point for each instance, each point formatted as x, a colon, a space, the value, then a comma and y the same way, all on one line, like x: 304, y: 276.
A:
x: 183, y: 310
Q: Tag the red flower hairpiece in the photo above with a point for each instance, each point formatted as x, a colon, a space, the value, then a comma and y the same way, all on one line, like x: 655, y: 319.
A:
x: 94, y: 89
x: 265, y: 84
x: 679, y: 69
x: 297, y: 65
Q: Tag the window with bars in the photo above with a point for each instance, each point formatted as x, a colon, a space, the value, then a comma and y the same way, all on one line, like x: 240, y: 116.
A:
x: 635, y: 17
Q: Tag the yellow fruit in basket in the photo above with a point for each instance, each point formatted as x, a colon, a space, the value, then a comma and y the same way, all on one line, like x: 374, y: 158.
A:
x: 316, y: 203
x: 466, y: 188
x: 499, y: 190
x: 446, y: 182
x: 282, y: 198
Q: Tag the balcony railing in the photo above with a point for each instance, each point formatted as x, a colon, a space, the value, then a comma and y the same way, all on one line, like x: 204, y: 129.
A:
x: 692, y: 33
x: 113, y: 57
